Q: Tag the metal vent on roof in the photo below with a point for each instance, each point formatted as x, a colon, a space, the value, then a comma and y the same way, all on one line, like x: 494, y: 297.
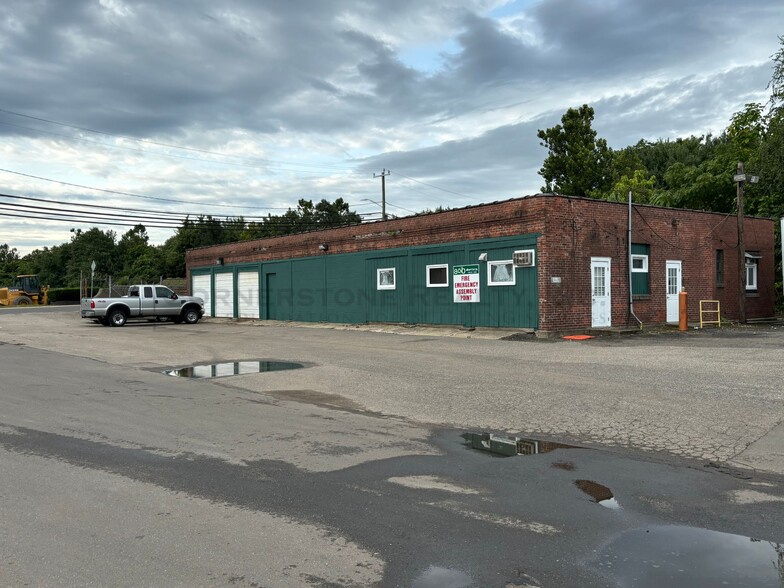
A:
x: 524, y: 258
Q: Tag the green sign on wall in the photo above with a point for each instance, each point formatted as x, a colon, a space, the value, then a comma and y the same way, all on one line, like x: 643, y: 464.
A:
x: 465, y: 283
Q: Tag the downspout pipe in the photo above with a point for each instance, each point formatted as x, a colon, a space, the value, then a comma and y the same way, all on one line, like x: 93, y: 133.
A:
x: 629, y: 260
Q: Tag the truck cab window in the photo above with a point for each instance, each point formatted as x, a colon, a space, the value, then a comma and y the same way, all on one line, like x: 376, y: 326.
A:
x: 148, y: 291
x: 163, y: 292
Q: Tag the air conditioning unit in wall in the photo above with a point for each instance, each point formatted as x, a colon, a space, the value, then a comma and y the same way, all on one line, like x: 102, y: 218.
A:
x: 524, y: 258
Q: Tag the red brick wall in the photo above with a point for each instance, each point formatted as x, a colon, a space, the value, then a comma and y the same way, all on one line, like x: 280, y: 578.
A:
x: 513, y: 217
x: 578, y: 229
x: 573, y: 230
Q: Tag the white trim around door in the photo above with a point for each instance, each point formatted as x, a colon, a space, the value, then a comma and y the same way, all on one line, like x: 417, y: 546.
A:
x: 674, y: 282
x: 601, y: 297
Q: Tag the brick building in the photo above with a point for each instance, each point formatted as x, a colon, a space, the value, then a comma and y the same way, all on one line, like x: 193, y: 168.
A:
x: 547, y: 262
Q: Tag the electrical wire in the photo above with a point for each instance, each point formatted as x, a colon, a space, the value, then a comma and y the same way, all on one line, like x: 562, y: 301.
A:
x: 97, y: 214
x: 175, y: 215
x: 680, y: 248
x: 431, y: 185
x: 132, y: 195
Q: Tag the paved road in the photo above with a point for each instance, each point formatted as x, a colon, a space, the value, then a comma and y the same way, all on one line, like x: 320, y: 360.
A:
x: 330, y: 475
x: 695, y: 396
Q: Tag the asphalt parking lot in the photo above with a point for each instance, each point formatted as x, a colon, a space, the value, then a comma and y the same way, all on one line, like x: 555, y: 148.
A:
x: 334, y: 456
x: 704, y: 395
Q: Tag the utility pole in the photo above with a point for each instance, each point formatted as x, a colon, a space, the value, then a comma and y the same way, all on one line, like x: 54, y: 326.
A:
x: 741, y: 178
x: 384, y: 173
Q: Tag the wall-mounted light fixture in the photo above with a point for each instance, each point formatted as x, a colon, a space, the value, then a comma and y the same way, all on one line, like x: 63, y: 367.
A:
x: 324, y: 247
x: 483, y: 257
x: 219, y: 261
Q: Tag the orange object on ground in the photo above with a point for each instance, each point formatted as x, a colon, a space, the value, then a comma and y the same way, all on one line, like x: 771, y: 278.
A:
x: 578, y: 337
x: 683, y: 314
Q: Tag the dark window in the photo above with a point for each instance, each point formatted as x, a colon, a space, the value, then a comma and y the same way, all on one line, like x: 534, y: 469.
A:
x: 437, y: 276
x: 720, y: 268
x: 148, y: 291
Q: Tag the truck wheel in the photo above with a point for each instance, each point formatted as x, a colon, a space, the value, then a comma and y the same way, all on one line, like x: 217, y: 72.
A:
x: 22, y: 301
x: 117, y: 318
x: 191, y: 316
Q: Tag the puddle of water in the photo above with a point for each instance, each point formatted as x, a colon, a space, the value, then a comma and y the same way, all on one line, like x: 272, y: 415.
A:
x: 509, y: 446
x: 601, y: 494
x: 436, y: 577
x: 231, y: 368
x: 688, y: 557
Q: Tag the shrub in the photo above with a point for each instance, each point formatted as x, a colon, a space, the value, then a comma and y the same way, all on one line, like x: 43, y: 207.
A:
x: 63, y: 295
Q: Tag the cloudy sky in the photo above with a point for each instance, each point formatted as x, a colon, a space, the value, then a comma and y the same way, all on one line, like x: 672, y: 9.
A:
x: 241, y: 107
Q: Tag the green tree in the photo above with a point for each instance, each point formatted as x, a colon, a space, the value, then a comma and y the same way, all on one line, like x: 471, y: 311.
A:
x: 86, y: 247
x: 658, y: 156
x: 640, y: 184
x: 577, y: 163
x: 306, y: 217
x: 9, y: 264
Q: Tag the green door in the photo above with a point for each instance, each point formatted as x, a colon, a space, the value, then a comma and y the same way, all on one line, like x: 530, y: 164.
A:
x: 272, y: 311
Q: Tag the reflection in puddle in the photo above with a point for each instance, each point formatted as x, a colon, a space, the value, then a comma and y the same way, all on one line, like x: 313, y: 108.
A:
x: 601, y: 494
x: 508, y: 446
x: 676, y: 557
x: 435, y: 577
x: 232, y: 368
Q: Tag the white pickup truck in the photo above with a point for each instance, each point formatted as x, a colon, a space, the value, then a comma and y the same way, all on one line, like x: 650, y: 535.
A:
x: 148, y: 302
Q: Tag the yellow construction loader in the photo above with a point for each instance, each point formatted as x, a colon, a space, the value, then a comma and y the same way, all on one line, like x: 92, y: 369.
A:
x: 26, y: 290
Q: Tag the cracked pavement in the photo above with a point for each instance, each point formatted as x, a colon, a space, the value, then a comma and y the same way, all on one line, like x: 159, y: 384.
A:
x: 705, y: 396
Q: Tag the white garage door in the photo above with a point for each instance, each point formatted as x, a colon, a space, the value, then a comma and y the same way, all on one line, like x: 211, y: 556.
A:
x: 248, y: 294
x: 224, y: 295
x: 201, y: 287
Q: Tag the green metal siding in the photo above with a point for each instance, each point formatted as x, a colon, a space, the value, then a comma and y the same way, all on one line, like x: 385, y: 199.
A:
x: 346, y: 293
x: 308, y: 290
x: 387, y: 306
x: 343, y: 287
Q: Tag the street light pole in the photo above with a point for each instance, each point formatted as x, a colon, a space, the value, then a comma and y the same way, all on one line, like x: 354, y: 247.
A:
x: 740, y: 178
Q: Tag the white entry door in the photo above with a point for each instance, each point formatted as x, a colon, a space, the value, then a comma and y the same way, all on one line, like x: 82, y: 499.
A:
x: 601, y: 309
x: 674, y: 283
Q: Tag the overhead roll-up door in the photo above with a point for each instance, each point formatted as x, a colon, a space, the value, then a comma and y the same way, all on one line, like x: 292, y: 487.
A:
x: 248, y: 294
x: 224, y: 295
x: 200, y: 286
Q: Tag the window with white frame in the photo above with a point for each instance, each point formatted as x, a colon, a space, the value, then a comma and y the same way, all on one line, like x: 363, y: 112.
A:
x: 752, y: 265
x: 500, y: 273
x: 385, y: 278
x: 639, y: 263
x: 639, y: 269
x: 438, y: 275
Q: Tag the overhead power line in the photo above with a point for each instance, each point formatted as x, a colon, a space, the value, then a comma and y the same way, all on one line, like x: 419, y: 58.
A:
x: 119, y: 193
x: 107, y: 215
x: 432, y: 185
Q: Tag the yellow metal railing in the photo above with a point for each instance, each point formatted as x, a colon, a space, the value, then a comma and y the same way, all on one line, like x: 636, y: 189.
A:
x: 710, y: 311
